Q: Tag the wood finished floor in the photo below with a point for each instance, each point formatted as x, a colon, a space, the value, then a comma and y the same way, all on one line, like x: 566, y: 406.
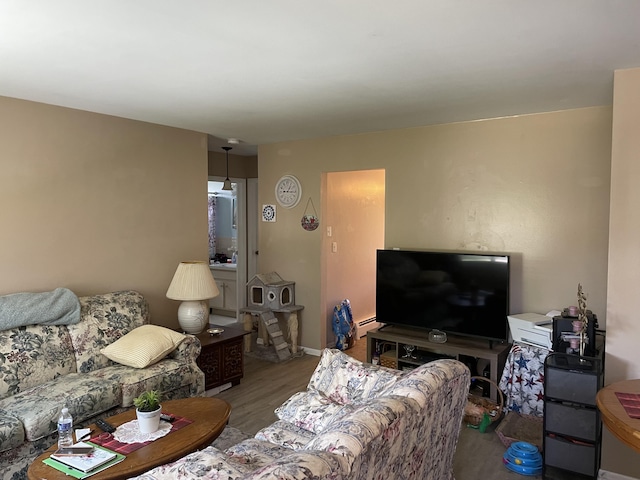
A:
x: 267, y: 385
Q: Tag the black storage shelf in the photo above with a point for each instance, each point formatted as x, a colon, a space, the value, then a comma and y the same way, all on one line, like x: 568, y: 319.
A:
x: 572, y: 428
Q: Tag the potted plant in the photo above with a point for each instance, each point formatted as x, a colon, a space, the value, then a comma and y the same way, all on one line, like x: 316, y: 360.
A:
x: 148, y: 410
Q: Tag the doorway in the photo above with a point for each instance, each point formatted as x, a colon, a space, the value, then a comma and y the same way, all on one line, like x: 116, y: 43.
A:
x: 237, y: 236
x: 354, y: 221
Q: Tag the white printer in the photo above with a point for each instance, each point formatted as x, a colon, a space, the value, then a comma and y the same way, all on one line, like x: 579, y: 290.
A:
x: 532, y: 328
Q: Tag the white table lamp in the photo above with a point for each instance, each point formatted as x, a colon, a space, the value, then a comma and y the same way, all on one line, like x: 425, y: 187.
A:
x: 193, y: 283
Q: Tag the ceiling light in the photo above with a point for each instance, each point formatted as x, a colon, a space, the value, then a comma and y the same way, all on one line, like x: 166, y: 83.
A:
x: 227, y: 182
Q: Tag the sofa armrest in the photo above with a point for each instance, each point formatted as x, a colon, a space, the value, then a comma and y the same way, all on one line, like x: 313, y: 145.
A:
x: 188, y: 350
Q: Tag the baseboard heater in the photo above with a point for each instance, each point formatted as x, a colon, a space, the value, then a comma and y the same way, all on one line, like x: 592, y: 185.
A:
x: 363, y: 326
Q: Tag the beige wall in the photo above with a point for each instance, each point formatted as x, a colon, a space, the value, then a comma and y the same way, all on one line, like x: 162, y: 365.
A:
x: 623, y: 334
x: 239, y: 166
x: 354, y: 209
x: 536, y: 186
x: 98, y: 203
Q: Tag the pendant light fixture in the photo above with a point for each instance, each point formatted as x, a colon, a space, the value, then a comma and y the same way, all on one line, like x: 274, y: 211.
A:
x: 227, y: 182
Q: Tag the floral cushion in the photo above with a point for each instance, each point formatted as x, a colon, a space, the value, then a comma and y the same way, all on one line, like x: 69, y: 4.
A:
x: 32, y: 355
x: 353, y: 435
x: 165, y: 376
x: 103, y: 320
x: 255, y: 453
x: 209, y: 463
x: 251, y: 460
x: 286, y: 434
x: 311, y: 410
x: 39, y: 407
x: 305, y: 465
x: 343, y: 379
x: 11, y: 432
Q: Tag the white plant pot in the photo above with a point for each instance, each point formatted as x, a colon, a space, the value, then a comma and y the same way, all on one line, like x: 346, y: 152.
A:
x: 148, y: 422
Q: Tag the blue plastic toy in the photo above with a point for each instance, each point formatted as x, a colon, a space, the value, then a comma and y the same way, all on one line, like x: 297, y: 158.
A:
x: 523, y: 458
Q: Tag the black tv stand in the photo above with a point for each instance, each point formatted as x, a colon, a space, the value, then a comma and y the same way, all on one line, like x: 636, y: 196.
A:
x: 393, y: 338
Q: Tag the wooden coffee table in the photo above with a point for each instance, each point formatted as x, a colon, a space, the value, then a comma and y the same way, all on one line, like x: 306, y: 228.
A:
x: 209, y: 415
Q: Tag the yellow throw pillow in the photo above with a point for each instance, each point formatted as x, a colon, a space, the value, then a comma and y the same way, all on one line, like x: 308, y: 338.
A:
x: 143, y: 346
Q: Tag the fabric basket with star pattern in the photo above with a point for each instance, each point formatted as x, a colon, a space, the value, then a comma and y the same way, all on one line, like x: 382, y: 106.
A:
x: 522, y: 380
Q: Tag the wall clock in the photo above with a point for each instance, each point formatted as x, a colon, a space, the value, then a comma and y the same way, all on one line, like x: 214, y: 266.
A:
x: 268, y: 213
x: 288, y: 191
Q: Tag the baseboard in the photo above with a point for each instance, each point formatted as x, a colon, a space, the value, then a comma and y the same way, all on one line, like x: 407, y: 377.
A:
x: 363, y: 326
x: 606, y: 475
x: 311, y: 351
x: 214, y: 391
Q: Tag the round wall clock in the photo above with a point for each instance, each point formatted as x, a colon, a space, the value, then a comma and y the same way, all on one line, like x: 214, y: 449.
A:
x: 288, y: 191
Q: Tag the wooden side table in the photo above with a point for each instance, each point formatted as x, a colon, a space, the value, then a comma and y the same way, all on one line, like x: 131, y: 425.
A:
x: 222, y: 356
x: 615, y: 417
x: 290, y: 317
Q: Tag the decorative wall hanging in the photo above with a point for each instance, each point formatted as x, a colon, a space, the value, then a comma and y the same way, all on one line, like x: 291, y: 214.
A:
x: 310, y: 221
x: 268, y: 213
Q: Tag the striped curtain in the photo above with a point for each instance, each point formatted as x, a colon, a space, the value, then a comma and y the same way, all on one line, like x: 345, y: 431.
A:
x: 212, y: 226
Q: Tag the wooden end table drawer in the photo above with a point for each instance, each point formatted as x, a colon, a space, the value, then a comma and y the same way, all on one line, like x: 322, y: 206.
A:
x: 222, y: 356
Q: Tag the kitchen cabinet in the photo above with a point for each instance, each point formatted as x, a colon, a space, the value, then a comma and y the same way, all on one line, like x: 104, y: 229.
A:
x: 227, y: 301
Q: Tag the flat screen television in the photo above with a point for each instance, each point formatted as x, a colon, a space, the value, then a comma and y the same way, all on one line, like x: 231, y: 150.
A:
x: 457, y: 293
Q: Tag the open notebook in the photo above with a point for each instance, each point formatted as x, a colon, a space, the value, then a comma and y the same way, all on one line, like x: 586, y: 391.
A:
x: 86, y: 463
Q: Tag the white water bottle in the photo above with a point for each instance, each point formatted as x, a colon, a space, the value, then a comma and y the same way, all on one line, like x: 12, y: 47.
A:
x: 65, y: 429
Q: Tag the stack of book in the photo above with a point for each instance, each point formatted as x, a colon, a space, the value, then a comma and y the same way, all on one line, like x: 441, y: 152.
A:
x: 84, y: 465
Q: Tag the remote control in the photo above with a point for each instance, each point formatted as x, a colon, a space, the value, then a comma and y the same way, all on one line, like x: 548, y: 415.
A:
x: 167, y: 418
x: 105, y: 426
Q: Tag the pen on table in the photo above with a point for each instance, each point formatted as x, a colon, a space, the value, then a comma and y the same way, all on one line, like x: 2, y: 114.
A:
x: 86, y: 435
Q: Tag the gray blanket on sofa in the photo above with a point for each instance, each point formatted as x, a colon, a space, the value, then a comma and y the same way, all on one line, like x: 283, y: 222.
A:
x: 58, y: 307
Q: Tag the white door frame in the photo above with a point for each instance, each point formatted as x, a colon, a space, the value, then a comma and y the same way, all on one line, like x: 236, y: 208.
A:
x: 243, y: 256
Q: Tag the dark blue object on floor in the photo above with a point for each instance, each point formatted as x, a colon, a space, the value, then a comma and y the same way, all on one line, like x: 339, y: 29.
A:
x: 523, y: 458
x: 343, y: 325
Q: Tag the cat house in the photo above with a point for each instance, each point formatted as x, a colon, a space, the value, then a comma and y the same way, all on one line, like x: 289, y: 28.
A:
x: 270, y: 292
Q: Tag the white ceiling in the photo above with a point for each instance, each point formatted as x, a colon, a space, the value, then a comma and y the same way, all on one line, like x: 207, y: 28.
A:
x: 267, y: 71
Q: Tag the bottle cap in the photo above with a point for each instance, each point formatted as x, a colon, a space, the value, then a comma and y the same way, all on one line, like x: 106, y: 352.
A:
x: 65, y: 410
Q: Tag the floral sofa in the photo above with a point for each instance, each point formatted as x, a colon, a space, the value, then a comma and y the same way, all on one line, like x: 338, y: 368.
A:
x: 354, y: 421
x: 44, y: 367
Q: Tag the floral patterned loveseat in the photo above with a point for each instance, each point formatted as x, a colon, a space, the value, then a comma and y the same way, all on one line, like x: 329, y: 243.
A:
x: 354, y: 421
x: 43, y: 367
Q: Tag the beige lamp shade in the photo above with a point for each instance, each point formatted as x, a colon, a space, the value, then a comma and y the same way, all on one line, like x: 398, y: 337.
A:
x: 193, y: 283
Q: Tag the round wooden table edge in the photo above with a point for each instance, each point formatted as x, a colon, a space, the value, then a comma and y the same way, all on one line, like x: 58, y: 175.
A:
x: 166, y: 448
x: 615, y: 417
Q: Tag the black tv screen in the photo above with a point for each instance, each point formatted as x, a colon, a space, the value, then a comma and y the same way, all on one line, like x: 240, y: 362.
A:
x: 457, y: 293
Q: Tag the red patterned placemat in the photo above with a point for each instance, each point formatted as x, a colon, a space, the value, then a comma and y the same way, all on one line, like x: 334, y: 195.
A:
x: 630, y: 402
x: 108, y: 441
